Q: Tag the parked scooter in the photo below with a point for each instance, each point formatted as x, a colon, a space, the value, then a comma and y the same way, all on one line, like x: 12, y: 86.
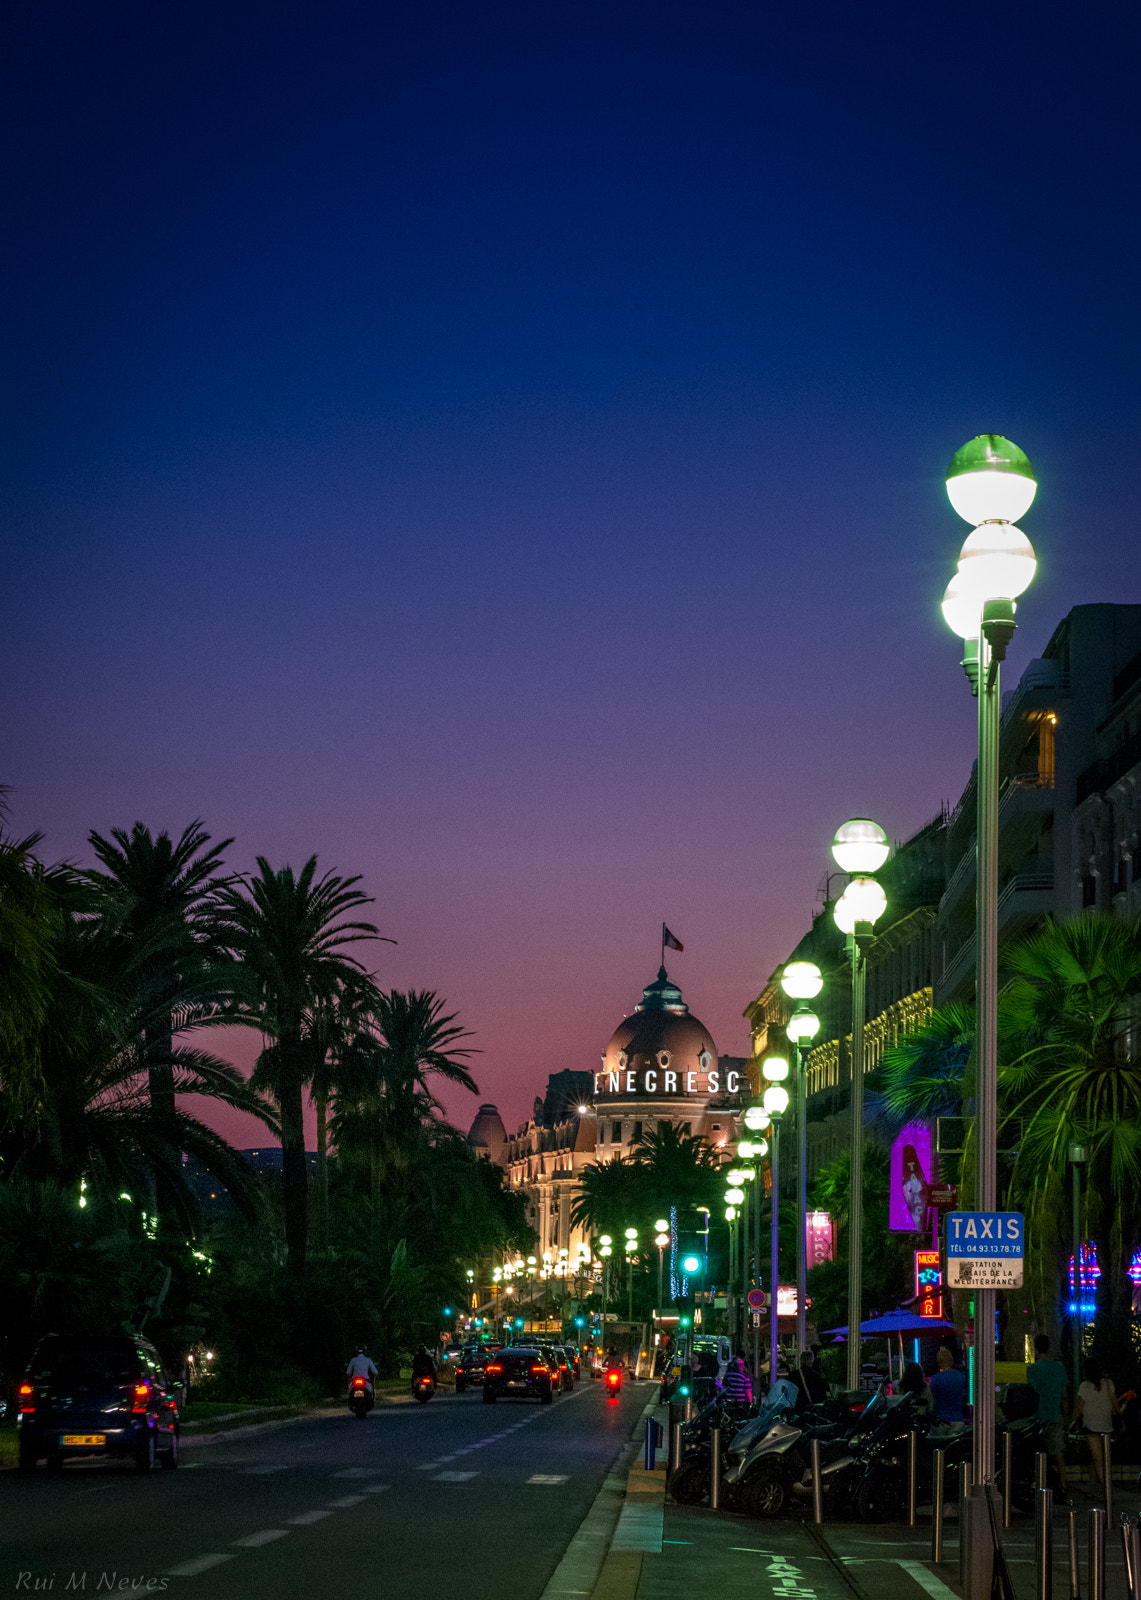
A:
x: 360, y: 1398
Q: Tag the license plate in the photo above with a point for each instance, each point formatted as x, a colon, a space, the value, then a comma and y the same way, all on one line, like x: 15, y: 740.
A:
x: 82, y: 1438
x: 515, y: 1383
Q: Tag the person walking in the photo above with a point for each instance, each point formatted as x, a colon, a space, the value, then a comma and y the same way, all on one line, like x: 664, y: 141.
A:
x: 737, y: 1384
x: 1097, y: 1407
x: 1047, y: 1377
x: 948, y: 1389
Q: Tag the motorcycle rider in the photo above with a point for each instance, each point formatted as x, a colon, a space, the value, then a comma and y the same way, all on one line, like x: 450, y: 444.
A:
x: 422, y: 1364
x: 361, y: 1367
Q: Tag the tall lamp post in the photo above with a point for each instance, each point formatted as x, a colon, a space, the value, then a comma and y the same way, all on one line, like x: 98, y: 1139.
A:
x: 801, y: 981
x: 661, y: 1239
x: 990, y: 484
x: 775, y: 1071
x: 753, y: 1149
x: 861, y: 848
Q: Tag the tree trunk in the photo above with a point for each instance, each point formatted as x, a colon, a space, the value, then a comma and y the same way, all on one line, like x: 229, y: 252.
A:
x: 160, y: 1085
x: 321, y: 1195
x: 294, y: 1173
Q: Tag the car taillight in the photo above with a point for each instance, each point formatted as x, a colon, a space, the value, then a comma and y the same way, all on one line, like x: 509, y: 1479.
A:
x: 26, y: 1391
x: 538, y: 1369
x: 493, y: 1366
x: 140, y: 1401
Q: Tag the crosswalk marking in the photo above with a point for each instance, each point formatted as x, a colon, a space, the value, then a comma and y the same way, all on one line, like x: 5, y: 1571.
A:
x: 281, y: 1466
x: 347, y: 1500
x: 549, y: 1477
x: 358, y: 1472
x: 454, y: 1477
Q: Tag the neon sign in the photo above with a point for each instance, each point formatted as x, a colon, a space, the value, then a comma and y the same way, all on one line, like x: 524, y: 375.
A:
x: 929, y: 1283
x: 1083, y: 1299
x: 655, y: 1082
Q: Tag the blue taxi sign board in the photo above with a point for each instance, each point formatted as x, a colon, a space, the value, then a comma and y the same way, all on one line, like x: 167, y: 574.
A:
x: 985, y: 1249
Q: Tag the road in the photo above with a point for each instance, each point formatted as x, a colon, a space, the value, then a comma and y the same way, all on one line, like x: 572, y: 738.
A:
x: 416, y: 1502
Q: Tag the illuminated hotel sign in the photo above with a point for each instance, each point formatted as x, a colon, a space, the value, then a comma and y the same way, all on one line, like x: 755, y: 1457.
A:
x: 664, y: 1080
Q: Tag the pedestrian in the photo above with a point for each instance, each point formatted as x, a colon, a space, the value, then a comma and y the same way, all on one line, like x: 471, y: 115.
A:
x: 737, y: 1384
x: 1097, y: 1407
x: 1047, y: 1377
x: 949, y: 1389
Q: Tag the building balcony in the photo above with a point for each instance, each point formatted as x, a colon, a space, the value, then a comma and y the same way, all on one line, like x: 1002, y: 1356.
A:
x: 1024, y: 898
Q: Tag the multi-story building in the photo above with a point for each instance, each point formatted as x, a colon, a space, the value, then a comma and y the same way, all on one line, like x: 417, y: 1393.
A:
x: 660, y: 1067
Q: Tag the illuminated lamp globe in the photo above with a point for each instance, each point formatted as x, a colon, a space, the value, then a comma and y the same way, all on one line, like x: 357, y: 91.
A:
x: 661, y: 1240
x: 735, y: 1176
x: 775, y: 1069
x: 755, y: 1118
x: 662, y: 1225
x: 531, y: 1261
x: 606, y: 1250
x: 631, y: 1233
x: 604, y: 1238
x: 860, y: 846
x: 990, y: 480
x: 962, y: 609
x: 803, y: 1024
x: 997, y: 561
x: 802, y: 980
x: 735, y: 1196
x: 744, y: 1148
x: 862, y: 901
x: 776, y: 1099
x: 730, y: 1213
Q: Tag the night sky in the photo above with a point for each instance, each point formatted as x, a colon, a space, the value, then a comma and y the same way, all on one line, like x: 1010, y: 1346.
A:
x: 500, y: 448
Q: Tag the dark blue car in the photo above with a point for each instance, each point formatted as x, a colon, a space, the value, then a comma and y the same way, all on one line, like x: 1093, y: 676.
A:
x: 89, y: 1396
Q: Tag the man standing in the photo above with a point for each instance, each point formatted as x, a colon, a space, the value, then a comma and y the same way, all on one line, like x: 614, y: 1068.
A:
x: 949, y: 1390
x: 1047, y: 1378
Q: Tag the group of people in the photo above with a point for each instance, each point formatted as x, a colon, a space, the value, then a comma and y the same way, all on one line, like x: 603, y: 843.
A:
x: 1095, y: 1405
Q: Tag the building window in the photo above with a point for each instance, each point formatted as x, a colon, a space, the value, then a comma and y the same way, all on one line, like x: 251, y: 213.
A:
x: 717, y: 1129
x: 1089, y: 891
x: 637, y: 1132
x: 616, y: 1133
x: 687, y: 1127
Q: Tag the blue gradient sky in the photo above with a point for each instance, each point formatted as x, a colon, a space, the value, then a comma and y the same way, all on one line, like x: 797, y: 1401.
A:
x: 500, y: 449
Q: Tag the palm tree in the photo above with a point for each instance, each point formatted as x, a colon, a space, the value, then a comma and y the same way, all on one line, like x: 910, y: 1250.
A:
x: 1071, y: 1072
x: 158, y: 896
x: 34, y: 905
x: 288, y: 932
x: 611, y: 1193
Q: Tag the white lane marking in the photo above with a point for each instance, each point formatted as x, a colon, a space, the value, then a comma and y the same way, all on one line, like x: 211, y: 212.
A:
x: 347, y: 1500
x: 264, y: 1536
x: 927, y: 1580
x: 549, y: 1477
x: 358, y: 1472
x: 454, y: 1477
x: 427, y: 1466
x: 375, y: 1488
x: 263, y: 1471
x: 191, y: 1569
x: 304, y: 1518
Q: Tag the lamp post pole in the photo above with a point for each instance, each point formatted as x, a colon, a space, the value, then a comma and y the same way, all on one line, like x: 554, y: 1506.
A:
x: 990, y: 483
x: 774, y: 1271
x: 803, y: 981
x: 860, y: 847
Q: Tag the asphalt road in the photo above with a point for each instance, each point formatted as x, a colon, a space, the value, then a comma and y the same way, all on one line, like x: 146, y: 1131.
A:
x: 454, y: 1498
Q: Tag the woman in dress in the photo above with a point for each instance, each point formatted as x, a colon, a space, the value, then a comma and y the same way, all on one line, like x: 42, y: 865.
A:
x: 1097, y: 1406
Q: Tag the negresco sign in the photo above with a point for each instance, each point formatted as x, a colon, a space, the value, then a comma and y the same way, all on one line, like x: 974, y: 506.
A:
x: 664, y: 1080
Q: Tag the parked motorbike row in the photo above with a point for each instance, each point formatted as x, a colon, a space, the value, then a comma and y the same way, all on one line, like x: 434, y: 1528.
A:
x: 765, y: 1454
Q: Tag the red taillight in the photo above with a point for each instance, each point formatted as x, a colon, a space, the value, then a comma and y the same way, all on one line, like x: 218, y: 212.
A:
x: 25, y: 1388
x: 26, y: 1392
x: 538, y: 1369
x: 358, y: 1383
x: 493, y: 1367
x: 141, y: 1392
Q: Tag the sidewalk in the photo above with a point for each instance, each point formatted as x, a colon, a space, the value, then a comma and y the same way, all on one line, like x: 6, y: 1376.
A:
x: 662, y: 1551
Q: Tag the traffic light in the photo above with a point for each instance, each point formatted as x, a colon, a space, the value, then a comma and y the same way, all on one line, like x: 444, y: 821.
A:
x: 692, y: 1243
x: 683, y: 1322
x: 580, y: 1322
x: 518, y: 1322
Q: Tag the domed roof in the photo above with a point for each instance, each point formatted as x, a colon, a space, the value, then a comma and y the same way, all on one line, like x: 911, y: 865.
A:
x: 662, y: 1025
x: 487, y: 1132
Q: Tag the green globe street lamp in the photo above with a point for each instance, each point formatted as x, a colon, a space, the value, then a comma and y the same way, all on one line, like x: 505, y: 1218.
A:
x: 775, y: 1071
x: 801, y: 981
x: 861, y: 848
x: 990, y: 483
x: 755, y: 1148
x: 661, y: 1239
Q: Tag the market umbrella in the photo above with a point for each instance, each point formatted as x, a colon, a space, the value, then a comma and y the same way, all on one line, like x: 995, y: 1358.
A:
x: 897, y: 1324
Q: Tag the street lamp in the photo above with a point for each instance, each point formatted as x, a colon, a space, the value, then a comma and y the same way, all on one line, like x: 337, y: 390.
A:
x: 756, y: 1119
x: 801, y: 981
x: 859, y: 847
x: 661, y: 1239
x: 775, y: 1071
x: 990, y: 483
x: 631, y: 1252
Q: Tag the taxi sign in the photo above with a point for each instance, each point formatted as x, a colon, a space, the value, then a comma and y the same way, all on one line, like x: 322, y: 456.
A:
x: 984, y: 1249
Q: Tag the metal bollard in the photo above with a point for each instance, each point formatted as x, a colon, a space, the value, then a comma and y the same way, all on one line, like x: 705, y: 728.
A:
x: 1131, y: 1532
x: 1127, y: 1552
x: 1041, y: 1470
x: 1007, y: 1479
x: 938, y: 1471
x: 651, y: 1454
x: 1097, y: 1553
x: 912, y: 1477
x: 1044, y: 1542
x: 714, y: 1468
x: 817, y: 1485
x: 675, y: 1446
x: 965, y: 1475
x: 1075, y: 1575
x: 1107, y: 1465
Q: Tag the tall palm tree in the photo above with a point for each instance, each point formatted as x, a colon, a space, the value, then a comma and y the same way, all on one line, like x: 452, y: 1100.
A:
x: 158, y: 895
x: 289, y: 934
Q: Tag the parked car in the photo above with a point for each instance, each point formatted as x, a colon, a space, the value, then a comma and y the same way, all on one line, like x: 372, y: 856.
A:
x: 520, y: 1371
x: 84, y: 1395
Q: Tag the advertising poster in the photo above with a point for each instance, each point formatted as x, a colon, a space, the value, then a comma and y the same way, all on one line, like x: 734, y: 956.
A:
x: 912, y: 1175
x: 819, y: 1237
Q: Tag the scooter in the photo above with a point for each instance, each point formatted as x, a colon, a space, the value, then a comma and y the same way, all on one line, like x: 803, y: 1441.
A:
x: 360, y: 1398
x: 423, y: 1388
x: 613, y: 1382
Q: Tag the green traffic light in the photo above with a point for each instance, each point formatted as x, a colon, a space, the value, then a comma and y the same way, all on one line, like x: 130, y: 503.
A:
x: 683, y: 1322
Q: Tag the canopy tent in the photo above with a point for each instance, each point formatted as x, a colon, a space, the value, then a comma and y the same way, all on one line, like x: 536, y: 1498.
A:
x: 901, y: 1322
